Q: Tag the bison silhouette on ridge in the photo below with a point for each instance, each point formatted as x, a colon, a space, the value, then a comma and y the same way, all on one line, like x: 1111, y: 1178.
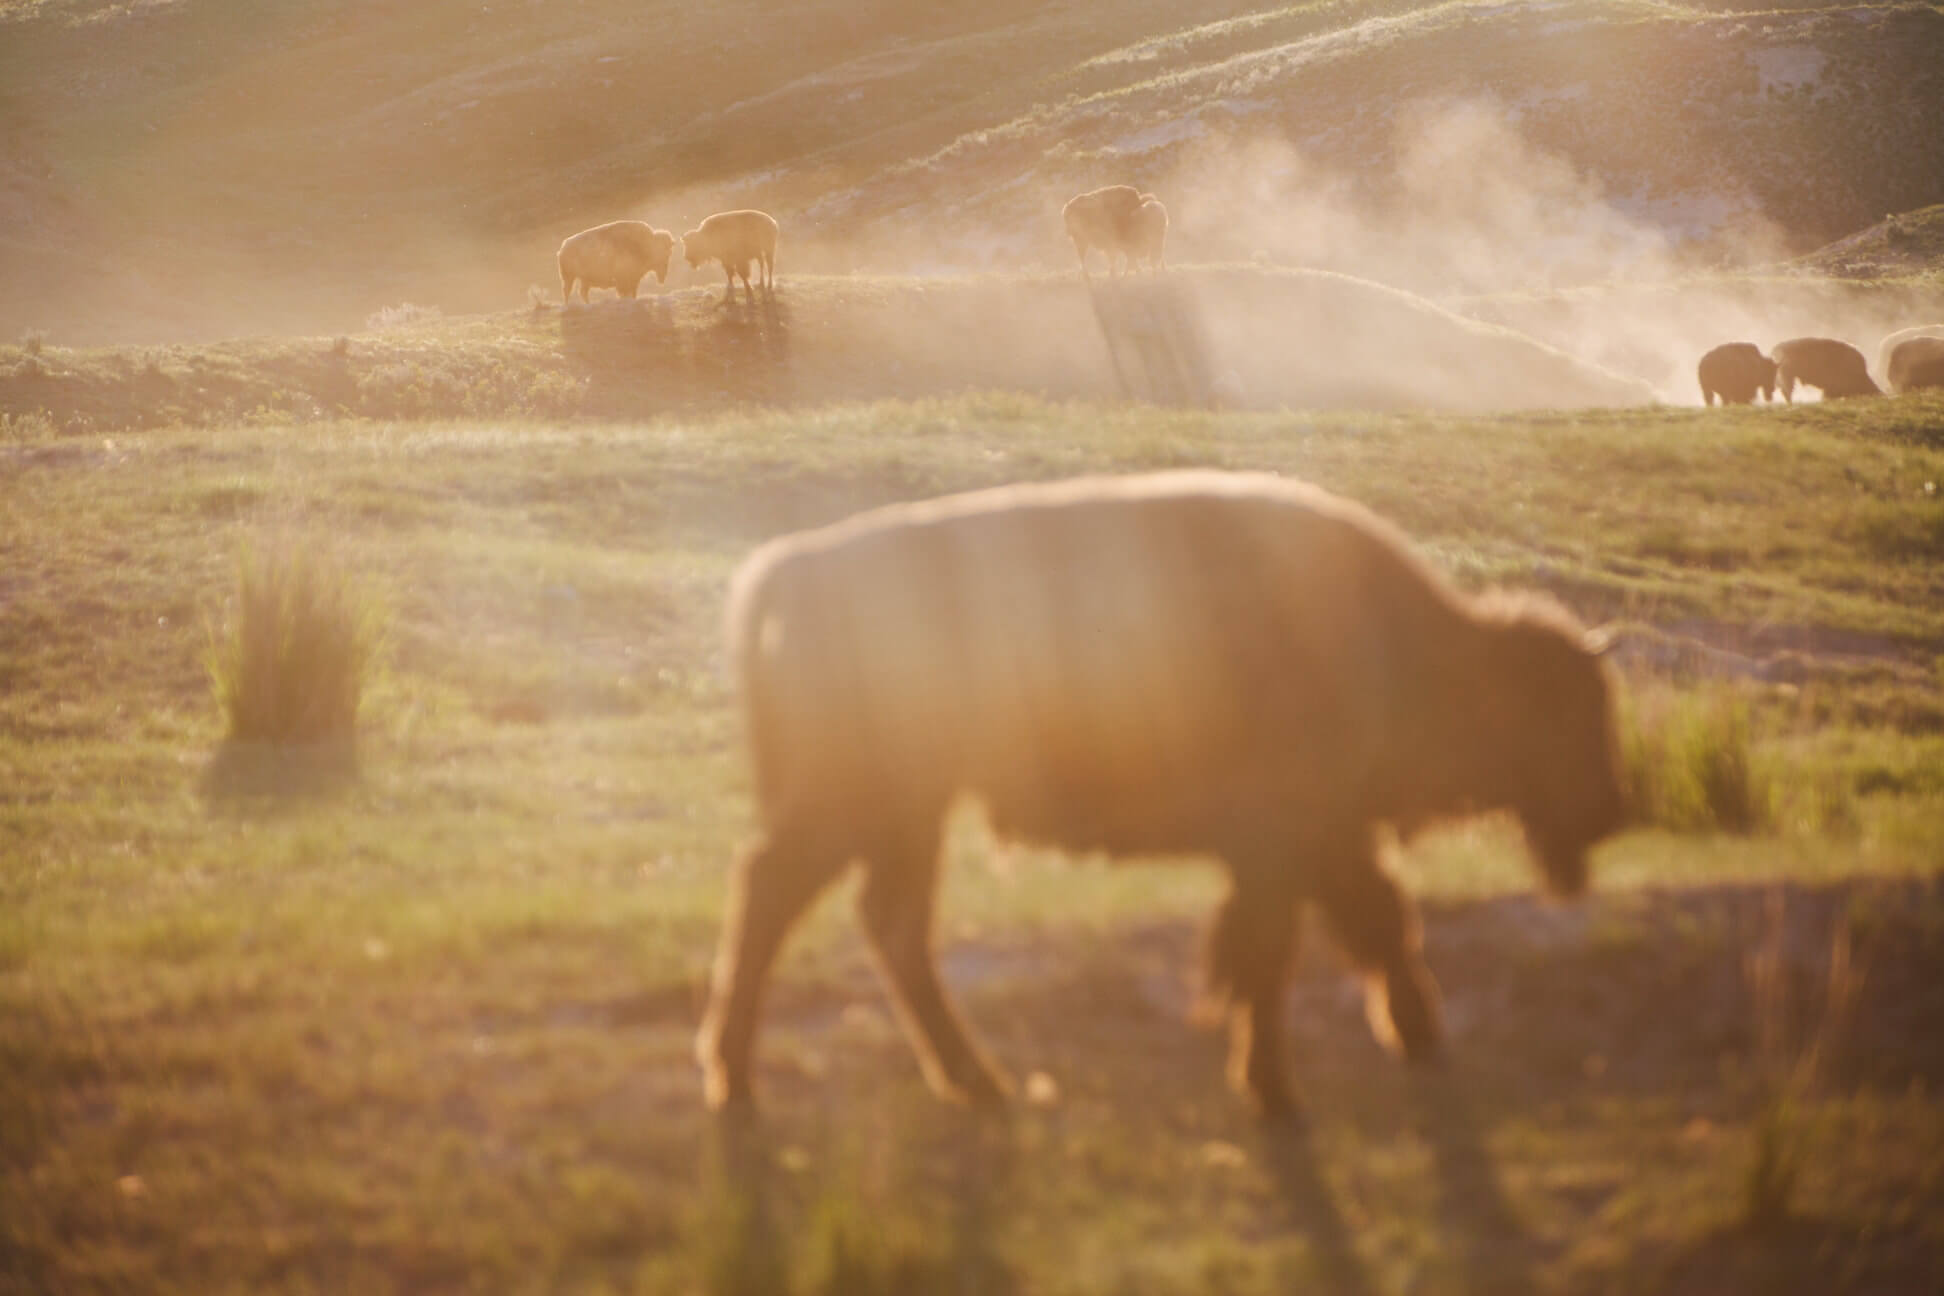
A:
x: 1197, y: 662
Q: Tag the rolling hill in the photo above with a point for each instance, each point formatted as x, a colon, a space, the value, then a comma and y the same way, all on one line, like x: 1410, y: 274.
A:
x: 1222, y: 336
x: 183, y: 169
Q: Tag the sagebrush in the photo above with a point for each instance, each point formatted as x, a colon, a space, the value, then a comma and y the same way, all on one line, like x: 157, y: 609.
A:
x: 291, y: 661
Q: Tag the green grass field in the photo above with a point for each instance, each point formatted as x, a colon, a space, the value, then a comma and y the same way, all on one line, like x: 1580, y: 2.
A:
x: 413, y: 1013
x: 425, y: 1026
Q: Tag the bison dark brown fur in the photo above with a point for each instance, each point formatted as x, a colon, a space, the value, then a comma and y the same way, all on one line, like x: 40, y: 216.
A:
x: 1837, y: 368
x: 1916, y: 363
x: 1735, y: 371
x: 1893, y: 340
x: 1196, y: 662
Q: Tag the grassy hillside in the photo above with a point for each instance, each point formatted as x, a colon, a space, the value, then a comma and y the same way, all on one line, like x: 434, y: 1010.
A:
x: 1222, y: 336
x: 188, y: 169
x: 427, y: 1027
x: 1903, y: 245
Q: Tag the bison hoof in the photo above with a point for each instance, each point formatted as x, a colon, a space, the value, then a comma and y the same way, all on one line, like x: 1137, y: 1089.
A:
x: 724, y: 1091
x: 982, y: 1090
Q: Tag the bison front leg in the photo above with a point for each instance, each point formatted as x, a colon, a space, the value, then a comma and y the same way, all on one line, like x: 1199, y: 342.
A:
x: 1379, y: 929
x: 1251, y: 952
x: 774, y: 883
x: 897, y: 906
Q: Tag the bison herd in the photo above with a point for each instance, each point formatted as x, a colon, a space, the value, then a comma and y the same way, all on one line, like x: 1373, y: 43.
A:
x: 1119, y: 220
x: 1909, y: 360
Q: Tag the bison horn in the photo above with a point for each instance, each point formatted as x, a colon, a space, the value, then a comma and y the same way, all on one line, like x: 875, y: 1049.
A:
x: 1600, y: 642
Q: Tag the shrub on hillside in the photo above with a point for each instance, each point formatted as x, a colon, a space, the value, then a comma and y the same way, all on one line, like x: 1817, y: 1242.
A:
x: 290, y: 663
x: 401, y: 316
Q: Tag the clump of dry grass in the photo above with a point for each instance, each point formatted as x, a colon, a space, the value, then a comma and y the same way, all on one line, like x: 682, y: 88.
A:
x: 290, y: 662
x: 1789, y: 1062
x: 402, y: 315
x: 1690, y: 764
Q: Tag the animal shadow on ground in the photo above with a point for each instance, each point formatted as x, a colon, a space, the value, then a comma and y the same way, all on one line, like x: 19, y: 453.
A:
x: 745, y: 351
x: 1157, y: 344
x: 751, y: 1191
x: 1491, y: 1246
x: 1290, y: 1159
x: 661, y: 351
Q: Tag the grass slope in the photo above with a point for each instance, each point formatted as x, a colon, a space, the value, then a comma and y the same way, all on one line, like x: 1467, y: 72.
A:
x: 428, y: 1029
x: 1220, y: 335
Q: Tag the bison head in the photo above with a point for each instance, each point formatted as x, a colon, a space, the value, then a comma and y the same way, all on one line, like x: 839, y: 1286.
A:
x: 695, y: 248
x: 661, y: 245
x: 1557, y: 747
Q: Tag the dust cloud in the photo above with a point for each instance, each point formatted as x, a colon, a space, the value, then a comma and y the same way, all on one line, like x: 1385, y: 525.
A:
x: 1477, y: 217
x: 1464, y: 211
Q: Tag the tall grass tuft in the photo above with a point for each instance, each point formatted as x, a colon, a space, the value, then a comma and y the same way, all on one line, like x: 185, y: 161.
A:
x: 1690, y: 764
x: 290, y: 663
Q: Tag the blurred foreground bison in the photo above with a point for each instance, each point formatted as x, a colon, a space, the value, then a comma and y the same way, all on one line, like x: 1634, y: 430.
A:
x: 1121, y: 221
x: 616, y: 255
x: 1735, y: 371
x: 1192, y: 662
x: 1836, y: 368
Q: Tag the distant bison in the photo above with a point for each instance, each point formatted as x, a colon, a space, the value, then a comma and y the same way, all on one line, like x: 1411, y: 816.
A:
x: 1916, y: 363
x: 1735, y: 371
x: 615, y: 255
x: 1182, y: 662
x: 1836, y: 367
x: 738, y: 239
x: 1113, y: 220
x: 1889, y: 344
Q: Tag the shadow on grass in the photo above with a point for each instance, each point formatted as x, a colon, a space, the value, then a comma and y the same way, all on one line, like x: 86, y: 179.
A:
x: 245, y: 776
x: 1479, y: 1223
x: 1312, y: 1210
x: 674, y: 349
x: 856, y: 1222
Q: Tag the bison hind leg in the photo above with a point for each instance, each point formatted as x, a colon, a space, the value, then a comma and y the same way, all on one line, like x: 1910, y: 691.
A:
x: 1378, y: 927
x: 897, y: 905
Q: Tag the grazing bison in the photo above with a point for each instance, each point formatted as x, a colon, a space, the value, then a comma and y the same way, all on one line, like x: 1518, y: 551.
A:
x: 1112, y: 220
x: 615, y: 255
x: 1735, y: 371
x: 1836, y: 367
x: 1916, y: 363
x: 1890, y: 343
x: 1229, y: 664
x: 737, y: 239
